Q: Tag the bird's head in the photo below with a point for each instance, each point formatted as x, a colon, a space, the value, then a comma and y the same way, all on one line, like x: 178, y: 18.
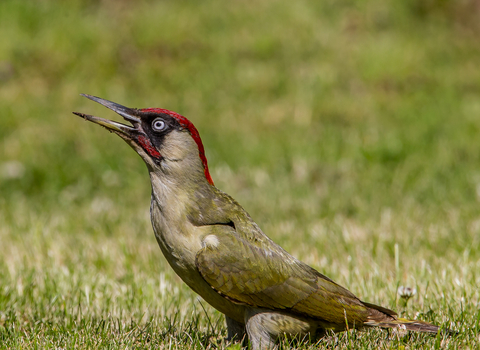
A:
x: 168, y: 142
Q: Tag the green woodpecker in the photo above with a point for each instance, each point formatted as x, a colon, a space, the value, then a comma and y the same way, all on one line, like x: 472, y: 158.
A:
x: 217, y: 249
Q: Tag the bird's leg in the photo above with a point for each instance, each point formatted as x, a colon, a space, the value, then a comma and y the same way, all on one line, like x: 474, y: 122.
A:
x: 258, y: 334
x: 265, y: 327
x: 235, y: 330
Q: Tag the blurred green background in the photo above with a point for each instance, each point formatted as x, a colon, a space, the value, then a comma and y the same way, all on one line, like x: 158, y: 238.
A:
x: 348, y: 130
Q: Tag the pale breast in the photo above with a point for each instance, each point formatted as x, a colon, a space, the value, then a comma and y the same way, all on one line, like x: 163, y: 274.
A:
x: 180, y: 243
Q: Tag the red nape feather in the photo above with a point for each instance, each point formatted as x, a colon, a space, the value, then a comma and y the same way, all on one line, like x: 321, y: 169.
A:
x: 187, y: 124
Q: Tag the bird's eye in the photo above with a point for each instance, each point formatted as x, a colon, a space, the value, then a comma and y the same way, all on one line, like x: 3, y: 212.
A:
x: 159, y: 124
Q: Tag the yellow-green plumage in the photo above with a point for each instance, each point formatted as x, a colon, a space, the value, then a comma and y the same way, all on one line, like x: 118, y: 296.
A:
x: 220, y: 252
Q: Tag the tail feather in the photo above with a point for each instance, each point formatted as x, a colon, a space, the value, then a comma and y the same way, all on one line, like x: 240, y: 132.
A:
x: 386, y: 318
x: 409, y: 325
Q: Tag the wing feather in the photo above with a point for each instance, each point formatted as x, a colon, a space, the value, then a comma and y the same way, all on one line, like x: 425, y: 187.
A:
x: 263, y: 275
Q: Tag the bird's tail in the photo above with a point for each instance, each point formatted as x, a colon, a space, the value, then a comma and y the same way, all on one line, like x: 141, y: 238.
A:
x: 409, y: 325
x: 386, y: 318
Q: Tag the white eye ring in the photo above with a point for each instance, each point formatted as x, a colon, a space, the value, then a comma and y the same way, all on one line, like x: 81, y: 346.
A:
x: 159, y: 124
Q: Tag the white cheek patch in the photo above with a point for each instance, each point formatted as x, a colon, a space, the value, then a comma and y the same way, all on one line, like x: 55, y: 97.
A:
x: 210, y: 241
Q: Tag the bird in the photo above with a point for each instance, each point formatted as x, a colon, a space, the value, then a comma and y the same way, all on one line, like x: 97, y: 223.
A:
x: 218, y: 250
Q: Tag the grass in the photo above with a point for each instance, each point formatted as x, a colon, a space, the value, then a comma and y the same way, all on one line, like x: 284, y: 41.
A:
x: 349, y: 131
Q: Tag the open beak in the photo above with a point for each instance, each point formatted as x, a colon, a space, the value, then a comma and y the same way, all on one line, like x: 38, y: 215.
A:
x: 119, y: 128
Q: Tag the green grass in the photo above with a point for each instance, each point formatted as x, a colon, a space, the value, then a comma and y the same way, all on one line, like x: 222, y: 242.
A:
x: 345, y: 129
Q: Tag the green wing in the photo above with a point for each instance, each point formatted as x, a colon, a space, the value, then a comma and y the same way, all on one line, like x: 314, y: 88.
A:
x: 259, y: 273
